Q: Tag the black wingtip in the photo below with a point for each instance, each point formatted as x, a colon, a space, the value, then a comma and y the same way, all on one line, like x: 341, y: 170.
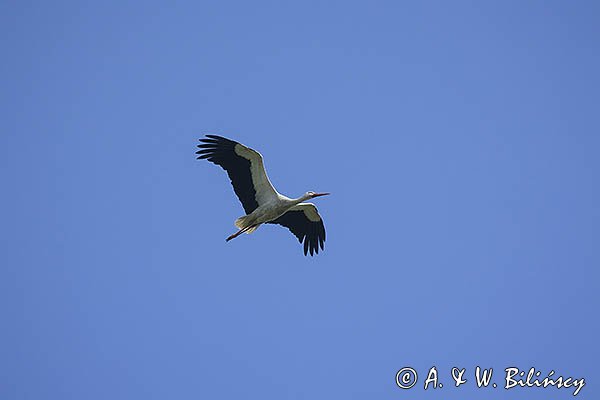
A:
x: 216, y: 138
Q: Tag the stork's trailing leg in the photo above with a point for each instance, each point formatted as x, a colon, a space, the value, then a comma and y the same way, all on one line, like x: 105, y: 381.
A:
x: 238, y: 233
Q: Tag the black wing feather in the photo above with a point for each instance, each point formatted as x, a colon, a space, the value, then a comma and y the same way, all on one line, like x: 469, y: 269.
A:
x: 307, y: 231
x: 221, y: 151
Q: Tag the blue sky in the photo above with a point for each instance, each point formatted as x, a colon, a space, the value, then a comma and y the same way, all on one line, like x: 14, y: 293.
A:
x: 460, y: 143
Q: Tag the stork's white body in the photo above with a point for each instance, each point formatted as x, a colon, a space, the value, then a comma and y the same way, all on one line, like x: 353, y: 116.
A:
x: 272, y: 210
x: 262, y: 203
x: 266, y: 212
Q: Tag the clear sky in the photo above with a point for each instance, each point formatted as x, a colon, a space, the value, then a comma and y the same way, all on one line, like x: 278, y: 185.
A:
x: 460, y: 142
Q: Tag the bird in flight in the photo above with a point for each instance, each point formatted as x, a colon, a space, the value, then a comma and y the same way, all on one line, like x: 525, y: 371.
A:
x: 261, y: 202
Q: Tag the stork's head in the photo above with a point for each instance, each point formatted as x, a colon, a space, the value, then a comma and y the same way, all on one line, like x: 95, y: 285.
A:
x: 312, y: 195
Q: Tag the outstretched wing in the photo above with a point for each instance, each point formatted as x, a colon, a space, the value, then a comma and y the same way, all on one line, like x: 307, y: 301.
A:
x: 304, y: 221
x: 245, y: 169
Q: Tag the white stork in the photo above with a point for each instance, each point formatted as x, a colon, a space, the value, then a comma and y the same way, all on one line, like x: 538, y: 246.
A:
x: 262, y: 203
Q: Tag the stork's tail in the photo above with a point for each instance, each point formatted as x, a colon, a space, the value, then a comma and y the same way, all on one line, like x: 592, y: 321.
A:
x: 243, y: 222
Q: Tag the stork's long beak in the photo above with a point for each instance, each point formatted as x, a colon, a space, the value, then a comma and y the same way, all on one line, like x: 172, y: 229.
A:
x: 320, y: 194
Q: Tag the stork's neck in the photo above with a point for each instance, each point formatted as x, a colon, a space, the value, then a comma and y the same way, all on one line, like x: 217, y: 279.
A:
x: 302, y: 198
